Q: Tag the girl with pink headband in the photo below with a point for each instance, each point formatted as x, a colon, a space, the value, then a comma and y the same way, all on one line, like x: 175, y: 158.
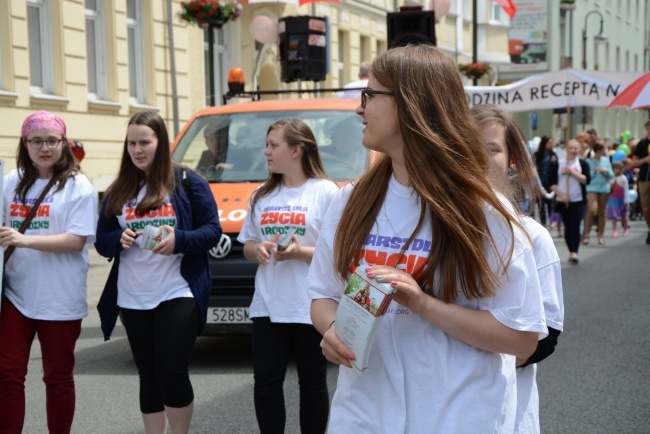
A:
x: 45, y: 276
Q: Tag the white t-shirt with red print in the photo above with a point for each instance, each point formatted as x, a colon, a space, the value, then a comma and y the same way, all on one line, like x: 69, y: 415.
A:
x: 420, y: 379
x: 146, y: 279
x: 280, y: 287
x: 46, y: 285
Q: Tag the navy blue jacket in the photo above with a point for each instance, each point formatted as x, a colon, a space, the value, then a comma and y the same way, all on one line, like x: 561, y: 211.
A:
x: 197, y: 230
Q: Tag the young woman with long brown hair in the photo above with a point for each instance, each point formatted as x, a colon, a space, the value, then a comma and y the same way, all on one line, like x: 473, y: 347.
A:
x: 512, y: 173
x: 426, y: 220
x: 161, y: 293
x: 296, y: 195
x: 45, y: 277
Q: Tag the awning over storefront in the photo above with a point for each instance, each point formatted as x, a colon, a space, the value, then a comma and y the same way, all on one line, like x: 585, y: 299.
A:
x: 564, y: 88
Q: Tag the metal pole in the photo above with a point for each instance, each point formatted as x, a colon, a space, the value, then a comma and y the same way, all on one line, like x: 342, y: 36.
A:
x: 211, y: 66
x: 474, y: 35
x: 172, y: 60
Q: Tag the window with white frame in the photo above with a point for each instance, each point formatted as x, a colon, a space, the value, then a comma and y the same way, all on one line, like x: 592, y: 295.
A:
x: 467, y: 9
x: 629, y: 10
x: 221, y: 65
x: 341, y: 63
x: 39, y: 28
x: 381, y: 46
x: 496, y: 11
x: 135, y: 40
x: 96, y: 50
x: 364, y: 49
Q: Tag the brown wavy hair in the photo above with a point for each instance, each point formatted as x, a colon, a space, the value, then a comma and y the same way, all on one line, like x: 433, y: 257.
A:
x: 160, y: 181
x: 63, y: 169
x: 297, y: 134
x: 523, y: 183
x: 446, y: 164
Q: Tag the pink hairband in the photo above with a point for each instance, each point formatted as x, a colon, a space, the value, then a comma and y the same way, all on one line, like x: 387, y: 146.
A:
x: 42, y: 120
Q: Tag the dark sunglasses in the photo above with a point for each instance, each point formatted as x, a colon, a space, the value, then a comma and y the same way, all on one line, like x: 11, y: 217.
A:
x: 366, y: 92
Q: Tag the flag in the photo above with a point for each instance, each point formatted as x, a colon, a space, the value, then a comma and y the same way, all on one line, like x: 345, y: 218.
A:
x: 508, y: 6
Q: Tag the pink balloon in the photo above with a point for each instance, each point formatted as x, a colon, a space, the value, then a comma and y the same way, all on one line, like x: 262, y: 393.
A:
x: 264, y: 29
x: 440, y: 7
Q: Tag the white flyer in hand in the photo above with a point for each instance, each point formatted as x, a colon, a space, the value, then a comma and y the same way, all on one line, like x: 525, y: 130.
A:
x: 359, y: 314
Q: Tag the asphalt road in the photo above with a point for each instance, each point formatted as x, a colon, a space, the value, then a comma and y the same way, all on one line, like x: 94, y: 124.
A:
x: 596, y: 382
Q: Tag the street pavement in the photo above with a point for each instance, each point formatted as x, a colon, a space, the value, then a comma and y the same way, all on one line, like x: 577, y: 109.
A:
x: 596, y: 382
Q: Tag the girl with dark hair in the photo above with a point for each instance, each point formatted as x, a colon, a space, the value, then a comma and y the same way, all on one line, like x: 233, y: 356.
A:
x: 544, y: 157
x: 45, y: 277
x: 296, y: 195
x: 511, y: 171
x: 468, y: 298
x: 161, y: 293
x: 569, y: 178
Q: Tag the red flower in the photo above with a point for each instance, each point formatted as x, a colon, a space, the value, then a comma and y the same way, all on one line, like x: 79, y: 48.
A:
x: 200, y: 15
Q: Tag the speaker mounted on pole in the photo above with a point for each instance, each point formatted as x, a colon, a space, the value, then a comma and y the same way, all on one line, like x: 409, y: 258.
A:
x: 411, y: 25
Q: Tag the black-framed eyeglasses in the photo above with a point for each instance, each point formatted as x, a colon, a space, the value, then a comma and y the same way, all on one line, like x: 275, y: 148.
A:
x: 366, y: 92
x: 38, y: 143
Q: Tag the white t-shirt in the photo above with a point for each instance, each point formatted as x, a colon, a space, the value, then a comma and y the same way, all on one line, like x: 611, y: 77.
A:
x: 356, y: 94
x: 574, y: 188
x: 45, y: 285
x: 420, y: 379
x: 549, y: 271
x: 280, y: 287
x: 146, y: 279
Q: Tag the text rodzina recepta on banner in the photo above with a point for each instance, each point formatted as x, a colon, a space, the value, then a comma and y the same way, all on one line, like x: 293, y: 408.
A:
x: 565, y: 88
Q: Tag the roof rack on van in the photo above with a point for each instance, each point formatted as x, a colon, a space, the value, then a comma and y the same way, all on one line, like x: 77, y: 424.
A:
x: 256, y: 95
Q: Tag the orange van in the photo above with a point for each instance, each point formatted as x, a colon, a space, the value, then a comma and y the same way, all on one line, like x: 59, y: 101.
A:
x: 225, y: 144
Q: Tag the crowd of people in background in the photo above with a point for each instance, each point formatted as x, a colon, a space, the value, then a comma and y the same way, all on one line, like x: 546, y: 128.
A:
x: 484, y: 304
x: 607, y: 182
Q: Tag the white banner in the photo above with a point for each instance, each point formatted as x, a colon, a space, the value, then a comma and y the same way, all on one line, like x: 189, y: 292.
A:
x: 565, y: 88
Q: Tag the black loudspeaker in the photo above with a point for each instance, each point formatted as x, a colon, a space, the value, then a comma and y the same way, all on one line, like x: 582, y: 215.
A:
x: 411, y: 26
x: 303, y: 48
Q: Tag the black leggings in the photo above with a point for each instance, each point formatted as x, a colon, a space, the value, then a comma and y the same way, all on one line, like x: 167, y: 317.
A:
x: 572, y: 217
x: 272, y: 345
x: 161, y: 341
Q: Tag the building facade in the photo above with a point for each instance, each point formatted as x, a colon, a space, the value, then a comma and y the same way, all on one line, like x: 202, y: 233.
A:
x: 97, y: 62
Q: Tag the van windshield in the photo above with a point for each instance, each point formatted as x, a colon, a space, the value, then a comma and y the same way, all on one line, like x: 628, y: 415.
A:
x: 229, y: 148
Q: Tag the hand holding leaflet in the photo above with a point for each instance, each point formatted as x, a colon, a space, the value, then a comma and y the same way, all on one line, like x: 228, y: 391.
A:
x: 360, y: 311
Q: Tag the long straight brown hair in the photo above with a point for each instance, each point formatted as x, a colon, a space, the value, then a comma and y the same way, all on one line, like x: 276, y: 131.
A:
x: 523, y: 182
x: 446, y: 164
x: 161, y: 180
x: 297, y: 134
x: 63, y: 169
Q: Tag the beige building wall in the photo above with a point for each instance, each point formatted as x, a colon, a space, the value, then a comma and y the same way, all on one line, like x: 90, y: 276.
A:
x: 101, y: 124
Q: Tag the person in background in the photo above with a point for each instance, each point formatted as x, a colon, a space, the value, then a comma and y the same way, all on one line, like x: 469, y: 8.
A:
x: 544, y: 158
x: 584, y: 140
x: 78, y: 151
x: 213, y: 159
x: 598, y: 190
x: 617, y: 204
x: 364, y: 74
x: 511, y: 171
x: 467, y: 295
x: 569, y: 178
x: 161, y: 293
x: 635, y: 207
x: 641, y: 159
x: 45, y: 277
x: 280, y: 307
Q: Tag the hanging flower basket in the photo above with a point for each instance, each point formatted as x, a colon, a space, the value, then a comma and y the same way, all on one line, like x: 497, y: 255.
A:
x: 210, y: 13
x: 475, y: 70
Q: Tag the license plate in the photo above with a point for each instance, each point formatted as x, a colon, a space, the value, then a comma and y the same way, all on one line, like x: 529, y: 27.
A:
x: 228, y: 315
